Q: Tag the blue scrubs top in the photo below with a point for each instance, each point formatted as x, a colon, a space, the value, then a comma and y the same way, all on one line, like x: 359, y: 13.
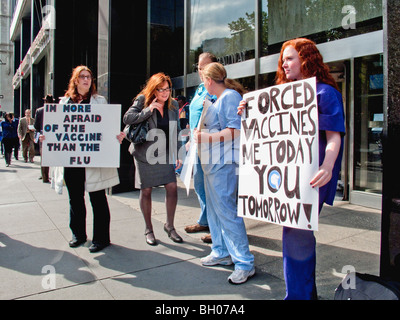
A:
x: 196, y: 105
x: 221, y: 115
x: 331, y: 118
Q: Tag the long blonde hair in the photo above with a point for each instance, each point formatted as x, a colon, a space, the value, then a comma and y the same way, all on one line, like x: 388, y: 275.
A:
x: 217, y: 72
x: 155, y: 82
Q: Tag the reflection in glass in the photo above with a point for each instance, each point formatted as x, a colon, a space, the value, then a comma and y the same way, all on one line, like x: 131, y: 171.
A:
x: 368, y: 124
x: 224, y: 28
x: 166, y: 37
x: 320, y: 21
x: 103, y: 45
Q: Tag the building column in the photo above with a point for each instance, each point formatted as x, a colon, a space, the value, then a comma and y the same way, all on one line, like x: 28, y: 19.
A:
x: 390, y: 251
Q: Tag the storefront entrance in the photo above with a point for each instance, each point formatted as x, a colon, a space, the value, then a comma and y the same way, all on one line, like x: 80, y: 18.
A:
x: 367, y: 128
x: 360, y: 81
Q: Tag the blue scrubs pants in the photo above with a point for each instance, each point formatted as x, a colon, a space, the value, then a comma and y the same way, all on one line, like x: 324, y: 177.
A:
x: 228, y: 231
x: 299, y: 260
x: 199, y: 188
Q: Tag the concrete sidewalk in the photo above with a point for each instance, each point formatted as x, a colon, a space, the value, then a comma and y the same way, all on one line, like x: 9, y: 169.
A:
x: 37, y: 263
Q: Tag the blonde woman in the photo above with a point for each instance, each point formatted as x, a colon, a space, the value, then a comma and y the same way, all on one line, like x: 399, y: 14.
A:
x: 222, y: 130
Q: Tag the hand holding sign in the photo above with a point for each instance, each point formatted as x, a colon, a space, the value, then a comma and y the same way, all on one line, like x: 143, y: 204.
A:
x: 324, y: 174
x: 242, y: 107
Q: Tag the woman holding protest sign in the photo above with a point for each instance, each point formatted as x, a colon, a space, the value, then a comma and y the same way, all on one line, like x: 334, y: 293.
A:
x: 300, y: 59
x: 155, y: 158
x: 82, y: 89
x: 219, y: 136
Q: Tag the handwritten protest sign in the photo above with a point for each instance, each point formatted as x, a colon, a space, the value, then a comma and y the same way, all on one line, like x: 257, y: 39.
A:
x: 81, y: 135
x: 279, y: 156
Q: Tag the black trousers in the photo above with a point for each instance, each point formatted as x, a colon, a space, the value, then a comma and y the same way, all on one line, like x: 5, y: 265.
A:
x: 75, y: 182
x: 9, y: 144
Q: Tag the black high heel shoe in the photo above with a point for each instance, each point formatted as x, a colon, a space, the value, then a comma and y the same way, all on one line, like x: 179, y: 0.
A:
x: 173, y: 235
x: 150, y: 240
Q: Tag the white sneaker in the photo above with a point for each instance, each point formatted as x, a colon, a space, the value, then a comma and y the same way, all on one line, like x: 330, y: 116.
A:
x: 213, y: 261
x: 241, y: 276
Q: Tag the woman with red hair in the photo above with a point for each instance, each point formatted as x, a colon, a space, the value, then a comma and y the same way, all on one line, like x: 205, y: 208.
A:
x: 300, y: 59
x: 154, y: 158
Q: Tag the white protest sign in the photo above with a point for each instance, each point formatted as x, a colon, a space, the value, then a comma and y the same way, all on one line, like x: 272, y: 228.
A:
x: 81, y: 135
x: 190, y: 160
x: 187, y: 167
x: 279, y: 156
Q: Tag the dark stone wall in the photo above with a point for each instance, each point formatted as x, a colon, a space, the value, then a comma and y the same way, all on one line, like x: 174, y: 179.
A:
x: 390, y: 252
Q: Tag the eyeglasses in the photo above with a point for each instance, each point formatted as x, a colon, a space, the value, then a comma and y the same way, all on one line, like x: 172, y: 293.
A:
x: 85, y: 77
x: 163, y: 90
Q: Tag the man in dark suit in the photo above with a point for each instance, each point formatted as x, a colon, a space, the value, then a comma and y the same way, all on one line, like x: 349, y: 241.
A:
x: 39, y: 128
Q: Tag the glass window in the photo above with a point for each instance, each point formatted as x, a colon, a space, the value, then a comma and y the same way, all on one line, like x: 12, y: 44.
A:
x: 267, y: 80
x: 224, y: 28
x: 166, y: 37
x: 103, y: 51
x: 368, y: 123
x: 318, y: 20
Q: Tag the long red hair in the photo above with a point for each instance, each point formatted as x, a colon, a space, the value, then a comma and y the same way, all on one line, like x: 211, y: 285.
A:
x: 312, y: 64
x: 155, y: 82
x: 72, y: 91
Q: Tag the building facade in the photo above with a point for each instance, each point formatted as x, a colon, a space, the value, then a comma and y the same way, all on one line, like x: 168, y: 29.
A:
x: 6, y: 59
x: 124, y: 42
x: 246, y: 36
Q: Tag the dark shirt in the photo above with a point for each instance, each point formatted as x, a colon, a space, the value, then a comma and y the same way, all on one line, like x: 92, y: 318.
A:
x: 163, y: 123
x: 39, y: 120
x: 10, y: 130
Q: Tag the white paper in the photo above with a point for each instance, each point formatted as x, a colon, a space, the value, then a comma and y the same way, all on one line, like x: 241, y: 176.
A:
x: 187, y: 169
x: 81, y: 136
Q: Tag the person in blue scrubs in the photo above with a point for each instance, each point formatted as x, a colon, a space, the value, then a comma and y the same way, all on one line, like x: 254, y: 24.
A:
x: 195, y: 111
x: 300, y: 59
x: 219, y: 153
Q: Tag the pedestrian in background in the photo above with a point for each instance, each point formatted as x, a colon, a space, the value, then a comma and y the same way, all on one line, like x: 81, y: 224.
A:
x: 155, y: 160
x: 10, y: 136
x: 222, y: 124
x: 1, y: 139
x: 183, y: 111
x: 16, y: 141
x: 26, y: 133
x: 39, y: 129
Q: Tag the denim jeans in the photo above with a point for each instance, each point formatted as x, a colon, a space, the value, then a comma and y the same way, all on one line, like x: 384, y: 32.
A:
x: 299, y: 263
x: 299, y: 259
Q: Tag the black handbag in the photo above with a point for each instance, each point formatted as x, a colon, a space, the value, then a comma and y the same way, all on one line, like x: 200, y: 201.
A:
x: 136, y: 133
